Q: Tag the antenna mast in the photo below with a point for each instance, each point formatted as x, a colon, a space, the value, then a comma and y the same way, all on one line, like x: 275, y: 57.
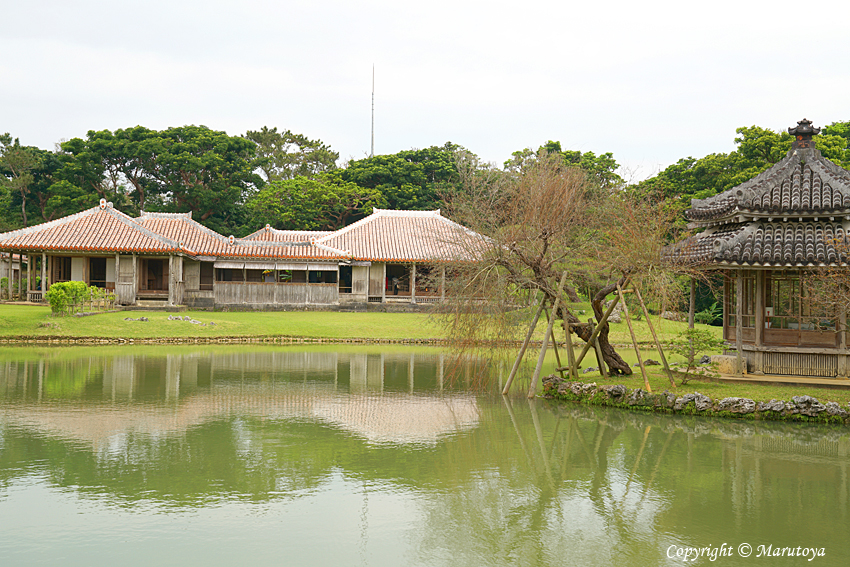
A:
x: 372, y: 153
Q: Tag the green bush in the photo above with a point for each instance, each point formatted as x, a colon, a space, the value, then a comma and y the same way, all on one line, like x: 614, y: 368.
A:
x: 64, y: 296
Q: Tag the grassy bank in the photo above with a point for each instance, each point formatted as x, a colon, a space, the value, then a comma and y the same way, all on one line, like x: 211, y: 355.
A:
x: 27, y: 321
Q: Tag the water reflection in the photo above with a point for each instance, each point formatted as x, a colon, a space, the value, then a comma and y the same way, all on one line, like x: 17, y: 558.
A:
x: 381, y: 453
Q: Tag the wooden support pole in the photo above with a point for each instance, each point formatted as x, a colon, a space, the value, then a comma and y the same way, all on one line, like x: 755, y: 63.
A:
x: 555, y: 345
x: 532, y: 388
x: 692, y: 305
x: 655, y: 338
x: 522, y: 349
x: 571, y: 356
x: 600, y: 362
x: 599, y: 325
x: 634, y: 342
x: 739, y: 324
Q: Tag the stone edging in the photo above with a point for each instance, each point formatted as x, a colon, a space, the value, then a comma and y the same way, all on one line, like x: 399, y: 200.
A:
x: 800, y: 408
x: 60, y: 340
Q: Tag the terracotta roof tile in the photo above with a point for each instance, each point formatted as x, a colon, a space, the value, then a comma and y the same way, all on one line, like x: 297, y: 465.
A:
x: 403, y: 236
x: 101, y: 229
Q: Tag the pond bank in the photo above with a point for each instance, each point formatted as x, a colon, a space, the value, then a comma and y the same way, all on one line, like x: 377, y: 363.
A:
x: 801, y: 408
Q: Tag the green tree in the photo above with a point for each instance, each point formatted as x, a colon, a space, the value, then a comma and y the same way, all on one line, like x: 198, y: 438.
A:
x: 286, y: 155
x: 17, y: 163
x: 325, y: 203
x: 410, y: 179
x: 601, y: 169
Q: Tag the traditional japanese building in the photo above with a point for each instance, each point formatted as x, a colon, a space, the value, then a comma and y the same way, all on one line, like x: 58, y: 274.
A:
x: 168, y: 259
x: 766, y: 236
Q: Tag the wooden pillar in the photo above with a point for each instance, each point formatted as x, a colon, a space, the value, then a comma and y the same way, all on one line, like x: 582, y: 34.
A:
x: 739, y: 324
x: 842, y: 342
x: 20, y: 276
x: 44, y: 282
x: 135, y: 279
x: 11, y: 276
x: 413, y: 283
x: 758, y: 362
x: 443, y: 284
x: 170, y: 282
x: 384, y: 284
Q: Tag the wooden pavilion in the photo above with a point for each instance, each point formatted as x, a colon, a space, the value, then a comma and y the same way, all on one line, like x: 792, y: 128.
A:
x: 766, y: 236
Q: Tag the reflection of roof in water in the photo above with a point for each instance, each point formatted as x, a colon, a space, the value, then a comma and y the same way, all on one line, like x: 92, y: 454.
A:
x: 388, y: 418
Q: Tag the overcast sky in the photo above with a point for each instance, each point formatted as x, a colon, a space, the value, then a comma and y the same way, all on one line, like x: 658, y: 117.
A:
x: 649, y: 81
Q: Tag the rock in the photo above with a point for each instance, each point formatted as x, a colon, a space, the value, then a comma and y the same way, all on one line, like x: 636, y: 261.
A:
x: 590, y: 369
x: 672, y: 316
x: 705, y: 359
x: 832, y: 408
x: 211, y: 323
x: 670, y: 399
x: 588, y: 389
x: 129, y: 319
x: 615, y: 393
x: 736, y: 405
x: 650, y: 362
x: 772, y: 405
x: 638, y: 397
x: 701, y: 401
x: 142, y: 319
x: 808, y: 405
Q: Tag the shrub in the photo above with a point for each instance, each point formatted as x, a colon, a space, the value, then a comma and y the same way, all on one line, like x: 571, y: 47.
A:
x: 691, y: 342
x: 709, y: 315
x: 64, y: 296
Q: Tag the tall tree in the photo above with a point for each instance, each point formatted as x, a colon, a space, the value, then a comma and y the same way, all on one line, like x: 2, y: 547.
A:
x: 286, y: 155
x: 17, y: 164
x: 324, y: 203
x: 410, y: 179
x: 601, y: 169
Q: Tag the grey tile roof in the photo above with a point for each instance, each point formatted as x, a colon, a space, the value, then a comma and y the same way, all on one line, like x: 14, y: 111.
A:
x: 803, y: 184
x: 761, y: 243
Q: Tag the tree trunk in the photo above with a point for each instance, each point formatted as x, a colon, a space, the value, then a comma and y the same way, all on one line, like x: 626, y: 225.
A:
x: 615, y: 363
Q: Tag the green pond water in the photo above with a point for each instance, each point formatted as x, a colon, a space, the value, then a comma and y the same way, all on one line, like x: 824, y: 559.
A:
x: 293, y: 456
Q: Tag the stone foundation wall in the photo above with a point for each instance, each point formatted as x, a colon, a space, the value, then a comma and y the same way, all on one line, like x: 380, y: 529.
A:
x: 800, y: 408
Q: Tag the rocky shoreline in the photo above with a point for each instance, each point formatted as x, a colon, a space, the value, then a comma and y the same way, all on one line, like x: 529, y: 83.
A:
x: 799, y: 408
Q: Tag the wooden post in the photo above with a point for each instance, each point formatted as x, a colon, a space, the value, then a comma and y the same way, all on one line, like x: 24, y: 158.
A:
x: 43, y: 275
x: 692, y: 305
x: 600, y: 362
x: 739, y: 324
x: 634, y: 341
x: 571, y: 356
x: 384, y: 284
x: 518, y: 360
x: 557, y: 355
x: 655, y: 338
x: 532, y: 388
x: 413, y: 283
x: 11, y: 276
x: 599, y: 325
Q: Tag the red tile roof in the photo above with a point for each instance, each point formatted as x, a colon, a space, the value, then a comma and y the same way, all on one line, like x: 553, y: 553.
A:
x: 400, y: 236
x: 404, y: 236
x: 99, y: 229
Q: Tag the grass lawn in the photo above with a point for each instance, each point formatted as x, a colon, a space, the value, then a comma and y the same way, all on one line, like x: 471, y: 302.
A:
x: 29, y: 321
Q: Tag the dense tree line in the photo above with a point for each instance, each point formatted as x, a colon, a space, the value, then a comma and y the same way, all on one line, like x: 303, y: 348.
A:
x: 236, y: 184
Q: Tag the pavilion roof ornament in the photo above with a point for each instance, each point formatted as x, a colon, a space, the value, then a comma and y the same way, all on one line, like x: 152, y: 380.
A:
x: 803, y: 133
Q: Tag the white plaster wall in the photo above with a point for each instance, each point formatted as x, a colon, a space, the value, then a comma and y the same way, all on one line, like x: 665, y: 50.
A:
x: 78, y: 269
